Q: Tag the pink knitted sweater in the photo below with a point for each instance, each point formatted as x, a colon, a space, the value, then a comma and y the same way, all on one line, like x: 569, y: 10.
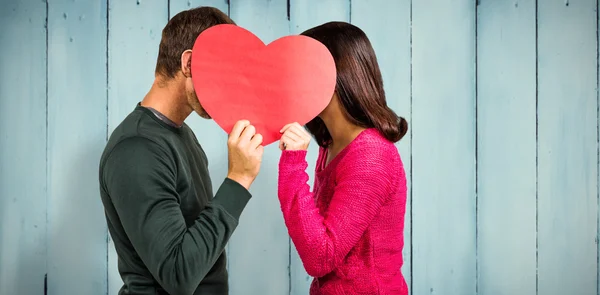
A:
x: 349, y: 231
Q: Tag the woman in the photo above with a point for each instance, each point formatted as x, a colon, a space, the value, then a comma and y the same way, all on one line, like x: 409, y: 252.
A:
x: 349, y: 231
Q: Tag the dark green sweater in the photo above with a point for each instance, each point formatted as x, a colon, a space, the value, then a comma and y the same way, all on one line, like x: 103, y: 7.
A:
x: 168, y: 230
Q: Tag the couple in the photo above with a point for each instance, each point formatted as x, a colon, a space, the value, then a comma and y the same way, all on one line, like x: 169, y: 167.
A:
x: 168, y: 230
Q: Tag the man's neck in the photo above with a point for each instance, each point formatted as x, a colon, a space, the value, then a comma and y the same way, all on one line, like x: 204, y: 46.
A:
x: 169, y: 101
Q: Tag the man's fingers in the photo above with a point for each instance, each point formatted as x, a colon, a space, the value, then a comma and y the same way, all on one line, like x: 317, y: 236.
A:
x: 248, y: 132
x: 238, y: 128
x: 256, y: 141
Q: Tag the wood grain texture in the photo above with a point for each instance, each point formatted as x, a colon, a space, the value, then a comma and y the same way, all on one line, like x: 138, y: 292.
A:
x: 258, y: 250
x: 506, y: 147
x: 22, y: 147
x: 76, y: 137
x: 443, y: 147
x: 306, y: 14
x: 52, y: 217
x: 311, y: 13
x: 388, y: 26
x: 132, y: 51
x: 176, y: 6
x: 567, y: 147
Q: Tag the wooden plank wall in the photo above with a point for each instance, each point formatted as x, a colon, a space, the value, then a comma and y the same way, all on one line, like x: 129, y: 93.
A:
x: 506, y: 147
x: 23, y: 197
x: 443, y: 153
x: 567, y: 147
x: 501, y: 155
x: 76, y: 228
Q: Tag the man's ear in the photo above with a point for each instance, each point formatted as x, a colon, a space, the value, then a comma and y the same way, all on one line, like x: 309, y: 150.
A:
x: 186, y: 63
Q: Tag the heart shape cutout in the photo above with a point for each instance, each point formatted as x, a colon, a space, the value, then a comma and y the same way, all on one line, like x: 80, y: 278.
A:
x: 236, y: 76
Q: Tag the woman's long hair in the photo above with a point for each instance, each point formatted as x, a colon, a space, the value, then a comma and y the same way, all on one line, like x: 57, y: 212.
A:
x: 359, y: 84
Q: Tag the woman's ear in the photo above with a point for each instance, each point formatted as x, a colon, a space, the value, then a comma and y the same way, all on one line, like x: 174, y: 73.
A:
x: 186, y: 63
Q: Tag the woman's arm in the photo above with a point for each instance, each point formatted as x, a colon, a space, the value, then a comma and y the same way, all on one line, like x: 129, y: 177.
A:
x: 363, y: 184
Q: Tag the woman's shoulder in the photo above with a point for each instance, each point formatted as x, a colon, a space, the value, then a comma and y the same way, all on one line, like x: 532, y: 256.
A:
x: 371, y: 143
x: 371, y: 151
x: 373, y: 159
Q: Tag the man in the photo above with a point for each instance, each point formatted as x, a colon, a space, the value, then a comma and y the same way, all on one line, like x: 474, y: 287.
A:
x: 168, y: 230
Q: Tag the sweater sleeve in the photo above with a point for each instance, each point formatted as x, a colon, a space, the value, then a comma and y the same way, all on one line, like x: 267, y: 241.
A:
x: 322, y: 241
x: 140, y: 178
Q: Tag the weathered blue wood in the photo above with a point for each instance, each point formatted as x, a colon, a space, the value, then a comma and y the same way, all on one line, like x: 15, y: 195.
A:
x: 392, y: 43
x: 22, y: 147
x: 305, y: 14
x: 443, y: 147
x: 506, y: 147
x: 444, y: 140
x: 176, y: 6
x: 135, y: 29
x: 567, y: 147
x: 76, y: 137
x: 311, y: 13
x: 259, y: 249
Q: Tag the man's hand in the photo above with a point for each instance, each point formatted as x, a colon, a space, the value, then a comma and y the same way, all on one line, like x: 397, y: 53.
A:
x: 245, y: 153
x: 294, y: 138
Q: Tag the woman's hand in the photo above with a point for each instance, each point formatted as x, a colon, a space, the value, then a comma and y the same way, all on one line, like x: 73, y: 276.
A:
x: 294, y: 138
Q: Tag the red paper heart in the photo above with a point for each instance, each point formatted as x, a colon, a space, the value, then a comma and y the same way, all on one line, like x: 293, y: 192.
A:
x: 237, y: 77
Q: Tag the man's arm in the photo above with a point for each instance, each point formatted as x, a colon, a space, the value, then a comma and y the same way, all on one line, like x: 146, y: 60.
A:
x: 140, y: 178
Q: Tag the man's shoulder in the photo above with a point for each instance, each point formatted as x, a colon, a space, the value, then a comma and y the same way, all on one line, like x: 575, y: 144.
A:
x: 128, y: 127
x: 136, y: 131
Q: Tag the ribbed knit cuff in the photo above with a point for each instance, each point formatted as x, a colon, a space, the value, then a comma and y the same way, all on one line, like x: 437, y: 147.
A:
x: 292, y: 157
x: 233, y: 197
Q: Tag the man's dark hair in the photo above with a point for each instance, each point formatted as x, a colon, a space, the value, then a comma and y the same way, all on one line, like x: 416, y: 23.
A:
x: 181, y: 32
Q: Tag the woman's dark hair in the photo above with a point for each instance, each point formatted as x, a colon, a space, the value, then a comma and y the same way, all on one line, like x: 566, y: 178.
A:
x: 359, y: 84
